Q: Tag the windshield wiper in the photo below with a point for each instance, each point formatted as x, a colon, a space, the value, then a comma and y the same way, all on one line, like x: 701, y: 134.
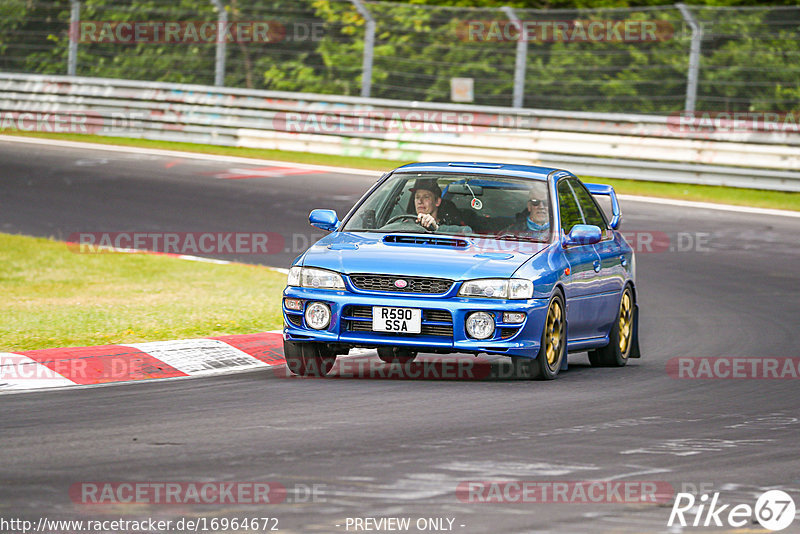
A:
x: 514, y: 237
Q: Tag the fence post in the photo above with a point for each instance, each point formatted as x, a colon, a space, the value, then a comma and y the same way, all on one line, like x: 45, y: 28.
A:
x: 521, y: 58
x: 74, y: 35
x: 219, y: 62
x: 369, y: 46
x: 694, y: 56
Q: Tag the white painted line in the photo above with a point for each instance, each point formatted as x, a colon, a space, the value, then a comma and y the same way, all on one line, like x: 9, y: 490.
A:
x: 188, y: 155
x: 710, y: 206
x: 200, y: 356
x: 20, y: 373
x: 203, y: 260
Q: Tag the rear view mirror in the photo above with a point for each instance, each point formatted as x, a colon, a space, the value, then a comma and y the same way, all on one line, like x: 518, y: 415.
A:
x: 324, y: 220
x: 464, y: 189
x: 583, y: 234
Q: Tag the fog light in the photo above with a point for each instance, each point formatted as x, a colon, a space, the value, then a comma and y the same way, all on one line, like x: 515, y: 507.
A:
x: 318, y: 315
x: 480, y: 325
x: 293, y: 304
x: 513, y: 317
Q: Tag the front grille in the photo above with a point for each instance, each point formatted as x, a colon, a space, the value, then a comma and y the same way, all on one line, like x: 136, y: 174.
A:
x: 296, y: 320
x: 386, y: 282
x: 365, y: 312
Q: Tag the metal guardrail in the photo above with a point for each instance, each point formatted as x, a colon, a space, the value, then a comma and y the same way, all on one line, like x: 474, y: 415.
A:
x: 629, y: 146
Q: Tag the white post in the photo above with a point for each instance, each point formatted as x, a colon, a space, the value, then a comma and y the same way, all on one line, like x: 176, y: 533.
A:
x: 219, y: 62
x: 521, y: 58
x: 694, y: 56
x: 369, y: 46
x: 74, y: 35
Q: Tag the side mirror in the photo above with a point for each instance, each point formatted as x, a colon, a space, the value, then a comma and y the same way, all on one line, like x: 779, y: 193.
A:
x: 324, y: 220
x: 583, y: 234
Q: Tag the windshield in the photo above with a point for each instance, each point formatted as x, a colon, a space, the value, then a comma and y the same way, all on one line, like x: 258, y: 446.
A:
x: 461, y: 204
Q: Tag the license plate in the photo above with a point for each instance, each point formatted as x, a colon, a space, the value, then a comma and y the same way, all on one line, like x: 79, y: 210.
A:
x: 401, y: 320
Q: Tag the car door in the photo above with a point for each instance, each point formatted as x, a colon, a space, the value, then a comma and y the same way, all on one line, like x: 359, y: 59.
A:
x: 580, y: 285
x: 612, y: 263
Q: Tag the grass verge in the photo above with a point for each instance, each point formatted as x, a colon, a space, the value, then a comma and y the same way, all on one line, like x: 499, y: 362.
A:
x: 53, y: 297
x: 700, y: 193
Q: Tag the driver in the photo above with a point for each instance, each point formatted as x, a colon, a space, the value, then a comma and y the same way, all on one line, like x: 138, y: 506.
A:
x: 427, y: 199
x: 432, y: 212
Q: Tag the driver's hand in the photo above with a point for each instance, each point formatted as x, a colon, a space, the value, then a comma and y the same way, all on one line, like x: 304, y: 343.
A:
x: 426, y: 220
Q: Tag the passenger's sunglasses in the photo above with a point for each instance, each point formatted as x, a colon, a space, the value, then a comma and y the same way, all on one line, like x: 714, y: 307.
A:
x: 536, y: 202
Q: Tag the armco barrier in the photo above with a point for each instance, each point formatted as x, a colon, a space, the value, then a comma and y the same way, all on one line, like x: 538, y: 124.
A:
x: 607, y: 145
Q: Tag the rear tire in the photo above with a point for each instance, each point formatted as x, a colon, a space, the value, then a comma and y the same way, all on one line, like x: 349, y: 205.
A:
x: 620, y: 339
x: 308, y: 359
x: 396, y: 355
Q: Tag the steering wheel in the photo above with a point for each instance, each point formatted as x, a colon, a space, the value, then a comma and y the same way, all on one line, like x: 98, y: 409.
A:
x: 407, y: 216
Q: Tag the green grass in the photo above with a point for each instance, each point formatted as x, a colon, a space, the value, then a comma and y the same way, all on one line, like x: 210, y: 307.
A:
x: 700, y: 193
x: 53, y: 297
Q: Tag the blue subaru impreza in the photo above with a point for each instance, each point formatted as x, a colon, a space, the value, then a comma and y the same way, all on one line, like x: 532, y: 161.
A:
x: 467, y: 258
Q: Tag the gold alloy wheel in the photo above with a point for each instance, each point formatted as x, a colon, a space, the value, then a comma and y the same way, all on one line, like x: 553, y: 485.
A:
x: 625, y: 323
x: 554, y: 332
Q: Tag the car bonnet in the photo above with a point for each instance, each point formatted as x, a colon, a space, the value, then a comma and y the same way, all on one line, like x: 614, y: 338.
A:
x: 452, y: 257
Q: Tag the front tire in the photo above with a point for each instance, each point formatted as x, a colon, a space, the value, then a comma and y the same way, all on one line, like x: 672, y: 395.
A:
x: 620, y: 339
x: 308, y: 359
x: 553, y: 347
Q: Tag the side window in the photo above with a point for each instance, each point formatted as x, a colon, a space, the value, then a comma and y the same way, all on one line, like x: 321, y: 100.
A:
x: 591, y: 212
x: 568, y: 207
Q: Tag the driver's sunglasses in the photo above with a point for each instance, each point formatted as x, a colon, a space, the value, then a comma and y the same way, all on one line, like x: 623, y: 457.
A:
x: 536, y: 202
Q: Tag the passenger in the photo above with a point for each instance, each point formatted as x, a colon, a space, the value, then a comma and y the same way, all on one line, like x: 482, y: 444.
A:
x: 534, y: 220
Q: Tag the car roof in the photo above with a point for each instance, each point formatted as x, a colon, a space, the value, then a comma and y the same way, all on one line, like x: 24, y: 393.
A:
x: 506, y: 169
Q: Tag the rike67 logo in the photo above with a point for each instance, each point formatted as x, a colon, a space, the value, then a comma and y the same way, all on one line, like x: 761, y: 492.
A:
x: 774, y: 510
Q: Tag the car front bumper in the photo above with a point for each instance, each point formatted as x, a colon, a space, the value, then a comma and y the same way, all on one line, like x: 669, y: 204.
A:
x: 350, y: 323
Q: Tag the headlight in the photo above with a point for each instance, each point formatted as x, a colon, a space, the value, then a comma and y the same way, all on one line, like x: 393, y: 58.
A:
x: 318, y: 315
x: 480, y: 325
x: 497, y: 288
x: 316, y: 278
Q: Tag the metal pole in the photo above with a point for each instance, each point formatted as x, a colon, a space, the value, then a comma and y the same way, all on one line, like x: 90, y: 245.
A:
x: 219, y: 63
x: 74, y: 35
x: 521, y: 58
x: 694, y: 56
x: 369, y: 46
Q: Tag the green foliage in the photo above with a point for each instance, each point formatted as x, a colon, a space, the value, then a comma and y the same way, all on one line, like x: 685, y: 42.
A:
x: 749, y: 56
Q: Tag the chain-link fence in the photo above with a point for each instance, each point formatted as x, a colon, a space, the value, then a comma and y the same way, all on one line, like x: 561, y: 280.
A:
x: 643, y: 60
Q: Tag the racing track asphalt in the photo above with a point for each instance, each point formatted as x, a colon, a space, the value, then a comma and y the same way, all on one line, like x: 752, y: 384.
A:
x: 400, y: 447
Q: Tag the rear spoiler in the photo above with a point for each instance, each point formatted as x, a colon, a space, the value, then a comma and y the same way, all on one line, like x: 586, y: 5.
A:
x: 607, y: 190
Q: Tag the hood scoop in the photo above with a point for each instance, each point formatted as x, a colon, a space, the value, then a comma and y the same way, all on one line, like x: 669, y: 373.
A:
x: 448, y: 242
